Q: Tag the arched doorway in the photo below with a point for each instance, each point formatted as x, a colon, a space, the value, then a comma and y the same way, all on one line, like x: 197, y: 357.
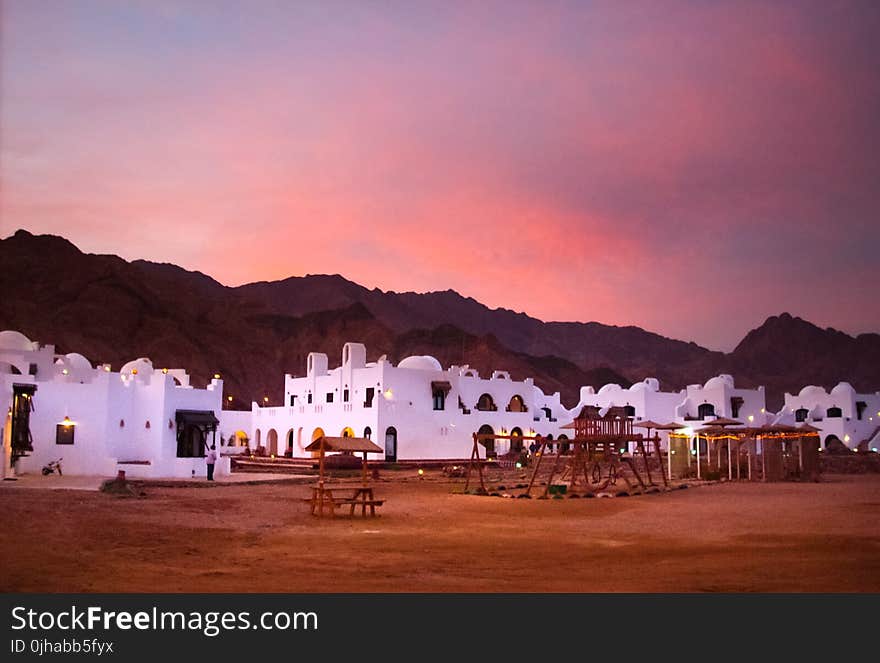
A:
x: 348, y: 431
x: 257, y: 439
x: 489, y: 444
x: 289, y: 450
x: 318, y: 432
x: 391, y: 444
x: 564, y: 446
x: 516, y: 443
x: 272, y: 442
x: 368, y: 432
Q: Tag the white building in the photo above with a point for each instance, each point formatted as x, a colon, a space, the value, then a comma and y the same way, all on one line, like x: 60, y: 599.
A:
x: 840, y: 414
x: 149, y: 421
x: 695, y: 406
x: 416, y: 410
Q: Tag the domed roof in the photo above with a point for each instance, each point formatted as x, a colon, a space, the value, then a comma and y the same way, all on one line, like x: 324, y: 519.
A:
x: 141, y: 365
x: 77, y: 362
x: 13, y: 340
x: 719, y: 381
x: 811, y: 391
x: 421, y: 363
x: 843, y: 388
x: 611, y: 386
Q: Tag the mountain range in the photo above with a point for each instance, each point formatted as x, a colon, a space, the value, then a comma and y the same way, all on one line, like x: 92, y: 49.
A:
x: 112, y: 310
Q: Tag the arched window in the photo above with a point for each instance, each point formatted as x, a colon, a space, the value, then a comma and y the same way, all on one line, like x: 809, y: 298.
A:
x: 517, y: 404
x: 705, y: 410
x: 801, y: 414
x: 486, y: 403
x: 834, y: 413
x: 391, y: 444
x: 547, y: 412
x: 368, y: 432
x: 347, y: 432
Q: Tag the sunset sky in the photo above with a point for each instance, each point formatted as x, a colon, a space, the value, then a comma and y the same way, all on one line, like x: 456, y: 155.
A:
x: 688, y: 167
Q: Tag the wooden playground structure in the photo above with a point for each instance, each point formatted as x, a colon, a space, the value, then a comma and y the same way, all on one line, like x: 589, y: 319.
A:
x: 604, y: 449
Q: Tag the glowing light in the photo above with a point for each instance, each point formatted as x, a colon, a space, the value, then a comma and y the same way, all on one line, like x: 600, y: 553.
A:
x: 751, y: 417
x: 229, y: 398
x: 763, y: 410
x: 874, y: 449
x: 107, y: 368
x: 846, y: 438
x: 216, y: 376
x: 265, y: 399
x: 165, y: 371
x: 67, y: 423
x: 64, y: 371
x: 273, y: 456
x: 693, y: 452
x: 389, y: 394
x: 134, y: 371
x: 518, y: 465
x: 421, y: 472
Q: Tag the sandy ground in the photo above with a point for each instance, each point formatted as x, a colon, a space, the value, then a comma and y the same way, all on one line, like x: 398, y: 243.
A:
x: 260, y: 538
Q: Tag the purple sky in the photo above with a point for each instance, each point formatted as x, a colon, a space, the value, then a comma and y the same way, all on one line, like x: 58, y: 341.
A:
x: 689, y: 167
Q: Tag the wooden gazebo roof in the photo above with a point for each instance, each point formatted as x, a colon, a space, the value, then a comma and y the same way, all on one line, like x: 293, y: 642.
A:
x: 360, y: 444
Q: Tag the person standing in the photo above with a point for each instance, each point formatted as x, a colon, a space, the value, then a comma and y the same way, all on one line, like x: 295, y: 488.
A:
x: 210, y: 459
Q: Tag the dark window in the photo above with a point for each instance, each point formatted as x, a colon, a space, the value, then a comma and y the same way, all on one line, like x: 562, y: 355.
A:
x: 345, y: 395
x: 706, y: 410
x: 32, y: 370
x: 309, y: 399
x: 368, y: 432
x: 517, y: 404
x: 629, y: 411
x: 368, y: 398
x: 834, y: 413
x: 293, y: 399
x: 861, y: 406
x: 801, y: 414
x: 439, y: 399
x: 64, y: 434
x: 735, y: 404
x: 329, y: 397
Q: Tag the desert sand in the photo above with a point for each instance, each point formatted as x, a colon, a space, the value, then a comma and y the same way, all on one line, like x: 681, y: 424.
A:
x: 725, y: 537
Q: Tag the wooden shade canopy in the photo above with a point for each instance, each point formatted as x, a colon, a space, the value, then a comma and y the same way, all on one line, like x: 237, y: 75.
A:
x: 360, y: 444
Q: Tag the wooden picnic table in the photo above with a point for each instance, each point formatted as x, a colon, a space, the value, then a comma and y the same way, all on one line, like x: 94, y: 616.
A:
x: 331, y: 497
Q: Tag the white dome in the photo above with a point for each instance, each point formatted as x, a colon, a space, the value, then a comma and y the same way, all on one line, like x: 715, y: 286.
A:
x: 142, y: 365
x: 608, y: 388
x: 421, y: 363
x: 719, y: 381
x: 843, y: 388
x: 13, y: 340
x: 811, y: 391
x: 77, y: 362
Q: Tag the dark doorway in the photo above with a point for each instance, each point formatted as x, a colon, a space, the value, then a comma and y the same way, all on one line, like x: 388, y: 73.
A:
x: 516, y: 443
x: 489, y: 444
x: 22, y: 406
x: 391, y: 444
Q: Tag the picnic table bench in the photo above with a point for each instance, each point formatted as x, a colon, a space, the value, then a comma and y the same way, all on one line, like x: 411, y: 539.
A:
x: 329, y: 497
